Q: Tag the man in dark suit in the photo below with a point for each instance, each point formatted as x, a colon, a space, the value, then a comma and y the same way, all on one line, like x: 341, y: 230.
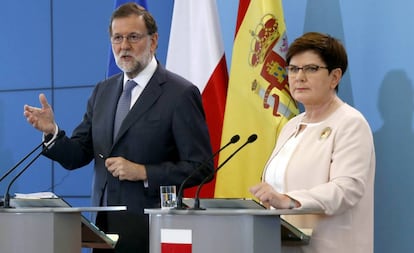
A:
x: 162, y: 139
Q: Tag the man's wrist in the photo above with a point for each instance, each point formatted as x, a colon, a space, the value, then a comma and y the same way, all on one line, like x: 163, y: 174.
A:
x: 48, y: 137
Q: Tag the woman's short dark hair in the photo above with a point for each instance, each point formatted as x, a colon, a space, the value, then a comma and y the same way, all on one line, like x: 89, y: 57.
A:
x: 128, y: 9
x: 330, y: 49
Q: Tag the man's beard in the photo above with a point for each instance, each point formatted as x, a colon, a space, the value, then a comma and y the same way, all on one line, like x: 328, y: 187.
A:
x: 134, y: 67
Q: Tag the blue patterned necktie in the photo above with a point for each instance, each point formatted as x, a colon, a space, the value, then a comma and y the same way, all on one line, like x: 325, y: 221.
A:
x: 124, y: 104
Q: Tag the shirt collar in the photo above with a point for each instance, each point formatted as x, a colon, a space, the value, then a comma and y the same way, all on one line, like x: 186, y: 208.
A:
x: 145, y: 75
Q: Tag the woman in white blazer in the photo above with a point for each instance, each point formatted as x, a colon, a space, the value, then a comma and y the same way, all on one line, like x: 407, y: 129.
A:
x: 324, y: 158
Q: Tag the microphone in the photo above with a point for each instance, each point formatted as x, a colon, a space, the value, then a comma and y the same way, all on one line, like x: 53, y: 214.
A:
x: 6, y: 200
x: 233, y: 140
x: 252, y: 138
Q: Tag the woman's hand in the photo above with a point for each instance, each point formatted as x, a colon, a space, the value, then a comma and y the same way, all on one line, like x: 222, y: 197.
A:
x: 270, y: 197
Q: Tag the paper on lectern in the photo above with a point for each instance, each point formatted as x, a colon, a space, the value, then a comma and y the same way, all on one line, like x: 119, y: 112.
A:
x: 36, y: 195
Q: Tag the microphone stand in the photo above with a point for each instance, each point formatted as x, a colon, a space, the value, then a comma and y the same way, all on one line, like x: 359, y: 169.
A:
x: 7, y: 195
x: 6, y: 203
x: 21, y: 161
x: 180, y: 205
x: 251, y: 139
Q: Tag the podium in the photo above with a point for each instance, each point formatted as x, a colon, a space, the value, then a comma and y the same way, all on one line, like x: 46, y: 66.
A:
x: 44, y: 229
x: 217, y: 229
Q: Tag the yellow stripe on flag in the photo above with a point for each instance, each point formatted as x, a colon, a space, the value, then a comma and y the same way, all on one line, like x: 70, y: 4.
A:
x: 258, y: 98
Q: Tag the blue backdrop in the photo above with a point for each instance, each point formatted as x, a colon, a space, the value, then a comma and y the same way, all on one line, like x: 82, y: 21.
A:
x: 61, y: 48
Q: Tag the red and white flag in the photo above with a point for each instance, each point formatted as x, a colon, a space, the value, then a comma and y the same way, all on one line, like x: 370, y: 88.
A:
x: 176, y: 241
x: 196, y: 52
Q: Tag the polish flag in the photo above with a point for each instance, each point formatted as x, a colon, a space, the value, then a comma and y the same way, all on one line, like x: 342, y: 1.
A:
x: 176, y: 241
x: 196, y: 52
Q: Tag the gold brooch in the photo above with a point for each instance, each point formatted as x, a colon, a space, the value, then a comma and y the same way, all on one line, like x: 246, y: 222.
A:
x: 325, y: 133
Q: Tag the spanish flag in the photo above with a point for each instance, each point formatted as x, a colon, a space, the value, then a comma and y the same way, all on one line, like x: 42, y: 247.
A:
x: 258, y: 98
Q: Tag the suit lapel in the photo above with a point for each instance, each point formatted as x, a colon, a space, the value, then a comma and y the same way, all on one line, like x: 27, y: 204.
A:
x: 111, y: 97
x: 148, y: 97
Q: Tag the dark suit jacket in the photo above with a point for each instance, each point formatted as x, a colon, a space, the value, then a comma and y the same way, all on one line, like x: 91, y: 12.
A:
x: 165, y: 130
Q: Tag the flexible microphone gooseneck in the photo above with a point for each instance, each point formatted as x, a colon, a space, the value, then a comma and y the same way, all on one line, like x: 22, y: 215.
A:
x: 251, y: 139
x: 6, y: 203
x: 180, y: 205
x: 21, y: 161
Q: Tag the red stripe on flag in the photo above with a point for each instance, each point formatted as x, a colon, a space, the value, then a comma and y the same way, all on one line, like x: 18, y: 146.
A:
x: 176, y: 248
x: 203, y: 64
x: 243, y: 6
x: 214, y: 102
